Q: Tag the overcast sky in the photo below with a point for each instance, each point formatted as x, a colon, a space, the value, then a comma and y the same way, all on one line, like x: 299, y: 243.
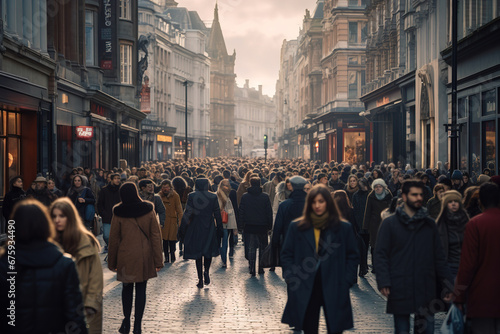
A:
x: 256, y: 30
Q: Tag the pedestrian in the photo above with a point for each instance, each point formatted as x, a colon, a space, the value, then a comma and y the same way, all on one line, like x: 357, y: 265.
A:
x: 135, y: 251
x: 173, y: 217
x: 283, y: 191
x: 229, y: 223
x: 15, y: 195
x: 335, y: 183
x: 147, y: 193
x: 76, y: 240
x: 409, y: 258
x: 457, y: 181
x: 201, y: 229
x: 81, y: 196
x: 319, y: 260
x: 451, y: 225
x: 471, y: 201
x: 108, y: 198
x: 47, y: 289
x: 359, y: 200
x: 434, y: 203
x: 352, y: 186
x: 182, y: 188
x: 256, y: 217
x: 41, y: 193
x: 270, y: 186
x: 243, y: 186
x: 477, y: 285
x: 51, y: 186
x: 379, y: 199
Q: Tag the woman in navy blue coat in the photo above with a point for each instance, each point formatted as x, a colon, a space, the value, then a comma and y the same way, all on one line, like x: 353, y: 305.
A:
x: 201, y: 228
x: 319, y: 259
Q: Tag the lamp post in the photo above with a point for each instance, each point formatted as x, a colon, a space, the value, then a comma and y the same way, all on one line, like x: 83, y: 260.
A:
x: 186, y: 84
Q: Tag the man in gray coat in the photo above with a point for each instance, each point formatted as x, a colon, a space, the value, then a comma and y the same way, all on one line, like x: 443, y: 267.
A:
x: 409, y: 258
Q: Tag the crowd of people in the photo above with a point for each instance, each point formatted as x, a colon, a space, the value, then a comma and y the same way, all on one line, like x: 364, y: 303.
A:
x: 430, y: 237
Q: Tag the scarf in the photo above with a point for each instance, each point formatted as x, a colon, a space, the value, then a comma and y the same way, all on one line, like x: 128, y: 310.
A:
x: 382, y: 195
x: 457, y: 219
x: 352, y: 190
x: 147, y: 196
x: 319, y: 222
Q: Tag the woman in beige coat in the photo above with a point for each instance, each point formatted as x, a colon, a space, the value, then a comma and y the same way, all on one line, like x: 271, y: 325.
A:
x: 76, y: 240
x: 230, y: 227
x: 173, y: 216
x: 134, y: 251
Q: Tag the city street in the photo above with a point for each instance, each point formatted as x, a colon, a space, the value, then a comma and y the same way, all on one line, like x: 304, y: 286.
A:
x: 232, y: 303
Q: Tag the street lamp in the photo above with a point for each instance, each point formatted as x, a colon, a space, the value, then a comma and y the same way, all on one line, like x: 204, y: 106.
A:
x: 186, y: 84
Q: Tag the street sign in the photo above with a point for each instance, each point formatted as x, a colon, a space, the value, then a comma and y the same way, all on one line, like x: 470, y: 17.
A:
x: 84, y: 133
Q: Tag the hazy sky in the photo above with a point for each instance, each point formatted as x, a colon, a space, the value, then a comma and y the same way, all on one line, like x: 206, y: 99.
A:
x: 256, y: 30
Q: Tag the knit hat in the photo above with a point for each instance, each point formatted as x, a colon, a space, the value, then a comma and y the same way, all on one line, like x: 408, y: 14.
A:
x: 378, y: 182
x: 457, y: 175
x: 298, y: 182
x: 483, y: 178
x: 452, y: 195
x: 40, y: 179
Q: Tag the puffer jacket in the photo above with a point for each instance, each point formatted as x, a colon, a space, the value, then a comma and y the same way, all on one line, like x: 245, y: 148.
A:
x: 47, y: 293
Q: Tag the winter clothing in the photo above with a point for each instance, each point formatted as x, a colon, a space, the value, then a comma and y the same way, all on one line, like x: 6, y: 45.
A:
x: 288, y: 210
x: 108, y: 198
x: 477, y: 279
x: 242, y: 188
x: 256, y: 215
x: 82, y: 192
x: 159, y: 207
x: 48, y: 293
x: 201, y: 227
x: 359, y: 205
x: 457, y: 175
x: 282, y: 193
x: 270, y: 189
x: 337, y: 274
x: 408, y: 257
x: 10, y: 199
x: 88, y: 265
x: 173, y: 215
x: 336, y: 185
x: 434, y: 207
x: 298, y: 182
x: 374, y: 208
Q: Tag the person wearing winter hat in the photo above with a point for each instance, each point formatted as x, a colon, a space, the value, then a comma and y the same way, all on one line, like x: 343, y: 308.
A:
x: 483, y: 178
x: 458, y: 182
x: 378, y: 200
x: 359, y: 205
x: 451, y: 225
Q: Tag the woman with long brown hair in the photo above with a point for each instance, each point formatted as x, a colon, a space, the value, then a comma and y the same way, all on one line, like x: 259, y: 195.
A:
x: 319, y: 260
x: 76, y: 240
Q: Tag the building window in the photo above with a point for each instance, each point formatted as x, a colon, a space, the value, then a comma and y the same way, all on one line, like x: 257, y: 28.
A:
x: 364, y: 28
x: 126, y: 63
x: 125, y: 12
x: 90, y: 38
x: 353, y: 84
x: 353, y: 32
x: 489, y: 103
x: 10, y: 148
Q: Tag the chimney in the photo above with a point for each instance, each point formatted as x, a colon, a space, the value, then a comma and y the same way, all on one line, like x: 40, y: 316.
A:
x: 260, y: 89
x: 247, y: 83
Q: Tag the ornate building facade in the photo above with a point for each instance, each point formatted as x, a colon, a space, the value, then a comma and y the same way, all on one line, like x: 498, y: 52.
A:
x: 222, y: 83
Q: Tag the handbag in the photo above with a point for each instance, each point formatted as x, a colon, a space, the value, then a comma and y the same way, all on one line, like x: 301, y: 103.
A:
x: 97, y: 228
x: 270, y: 257
x: 225, y: 216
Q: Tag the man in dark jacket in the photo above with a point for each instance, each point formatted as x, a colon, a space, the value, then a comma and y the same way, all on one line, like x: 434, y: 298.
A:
x: 256, y: 217
x: 108, y: 198
x: 335, y: 183
x: 408, y: 257
x: 359, y: 206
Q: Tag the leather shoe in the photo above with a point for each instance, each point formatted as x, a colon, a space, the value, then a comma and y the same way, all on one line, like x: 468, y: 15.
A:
x: 125, y: 327
x: 206, y: 277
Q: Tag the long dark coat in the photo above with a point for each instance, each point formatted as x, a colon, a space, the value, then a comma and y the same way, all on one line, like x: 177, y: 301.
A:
x: 374, y: 208
x: 409, y: 256
x: 201, y: 227
x: 338, y: 260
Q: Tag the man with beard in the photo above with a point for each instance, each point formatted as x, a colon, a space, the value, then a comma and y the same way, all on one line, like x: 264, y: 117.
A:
x: 108, y: 198
x: 41, y: 192
x: 147, y: 193
x: 409, y: 258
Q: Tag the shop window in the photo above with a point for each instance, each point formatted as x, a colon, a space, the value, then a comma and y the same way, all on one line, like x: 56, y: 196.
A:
x: 10, y: 148
x: 462, y: 108
x: 489, y: 144
x: 354, y: 147
x: 489, y: 102
x: 464, y: 152
x: 475, y: 134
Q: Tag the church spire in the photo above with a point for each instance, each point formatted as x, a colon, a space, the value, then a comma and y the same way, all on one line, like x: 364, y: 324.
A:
x: 216, y: 12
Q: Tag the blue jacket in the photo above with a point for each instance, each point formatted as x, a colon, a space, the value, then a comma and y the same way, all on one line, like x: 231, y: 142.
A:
x: 338, y: 259
x: 288, y: 210
x: 201, y: 226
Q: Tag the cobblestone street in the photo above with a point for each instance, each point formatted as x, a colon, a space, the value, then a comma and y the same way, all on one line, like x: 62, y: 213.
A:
x: 233, y: 302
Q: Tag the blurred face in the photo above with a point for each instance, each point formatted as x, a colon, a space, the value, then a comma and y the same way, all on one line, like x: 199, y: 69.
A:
x: 378, y: 189
x: 40, y: 185
x: 134, y: 170
x: 166, y: 188
x: 226, y: 188
x: 401, y: 178
x: 466, y: 179
x: 446, y: 187
x: 59, y: 219
x: 307, y: 187
x: 116, y: 181
x: 414, y: 199
x: 51, y: 185
x: 440, y: 194
x: 319, y: 205
x: 77, y: 181
x: 323, y: 180
x: 456, y: 182
x: 150, y: 188
x: 289, y: 186
x: 453, y: 206
x: 335, y: 176
x: 18, y: 183
x: 353, y: 183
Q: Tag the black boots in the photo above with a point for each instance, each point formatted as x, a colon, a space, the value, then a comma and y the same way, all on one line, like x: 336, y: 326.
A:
x: 125, y: 327
x: 208, y: 262
x: 199, y: 269
x: 252, y: 267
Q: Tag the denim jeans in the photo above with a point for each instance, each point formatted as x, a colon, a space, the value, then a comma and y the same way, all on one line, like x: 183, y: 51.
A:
x: 423, y: 324
x: 223, y: 249
x: 106, y: 228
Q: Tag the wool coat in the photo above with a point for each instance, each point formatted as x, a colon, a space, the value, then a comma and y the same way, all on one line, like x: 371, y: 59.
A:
x: 256, y: 214
x: 338, y: 259
x: 477, y: 279
x: 88, y: 265
x: 409, y: 258
x: 173, y: 213
x: 201, y: 226
x: 359, y: 205
x: 374, y: 208
x: 288, y: 210
x: 135, y: 247
x: 108, y: 198
x: 48, y: 295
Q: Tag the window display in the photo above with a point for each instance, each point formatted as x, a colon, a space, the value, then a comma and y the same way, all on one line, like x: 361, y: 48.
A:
x: 354, y: 147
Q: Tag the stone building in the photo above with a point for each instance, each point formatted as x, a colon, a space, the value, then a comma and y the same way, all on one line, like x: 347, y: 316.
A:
x: 254, y: 117
x: 222, y: 83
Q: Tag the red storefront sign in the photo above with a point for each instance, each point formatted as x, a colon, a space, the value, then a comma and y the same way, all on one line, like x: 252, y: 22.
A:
x: 84, y: 133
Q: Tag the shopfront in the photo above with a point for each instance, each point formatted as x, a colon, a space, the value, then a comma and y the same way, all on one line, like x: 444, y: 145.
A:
x: 156, y: 140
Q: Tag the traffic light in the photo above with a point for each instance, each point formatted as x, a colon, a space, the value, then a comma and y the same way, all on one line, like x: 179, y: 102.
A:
x: 265, y: 141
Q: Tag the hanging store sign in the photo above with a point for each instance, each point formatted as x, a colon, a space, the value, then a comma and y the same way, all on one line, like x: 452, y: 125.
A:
x: 84, y: 133
x: 164, y: 139
x: 107, y: 35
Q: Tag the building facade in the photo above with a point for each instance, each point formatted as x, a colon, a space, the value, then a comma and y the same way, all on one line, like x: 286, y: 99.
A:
x: 254, y: 117
x: 222, y: 83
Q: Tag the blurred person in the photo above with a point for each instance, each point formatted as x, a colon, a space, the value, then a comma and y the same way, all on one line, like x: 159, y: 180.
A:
x: 359, y: 200
x: 81, y: 196
x: 172, y: 219
x: 352, y: 186
x: 109, y: 197
x: 76, y: 240
x: 457, y: 180
x: 15, y: 195
x: 283, y: 191
x: 45, y: 277
x: 201, y: 229
x: 335, y: 183
x: 320, y: 231
x: 51, y: 186
x: 41, y: 193
x: 434, y: 204
x: 147, y: 193
x: 471, y: 201
x: 230, y: 226
x: 182, y: 188
x: 134, y: 252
